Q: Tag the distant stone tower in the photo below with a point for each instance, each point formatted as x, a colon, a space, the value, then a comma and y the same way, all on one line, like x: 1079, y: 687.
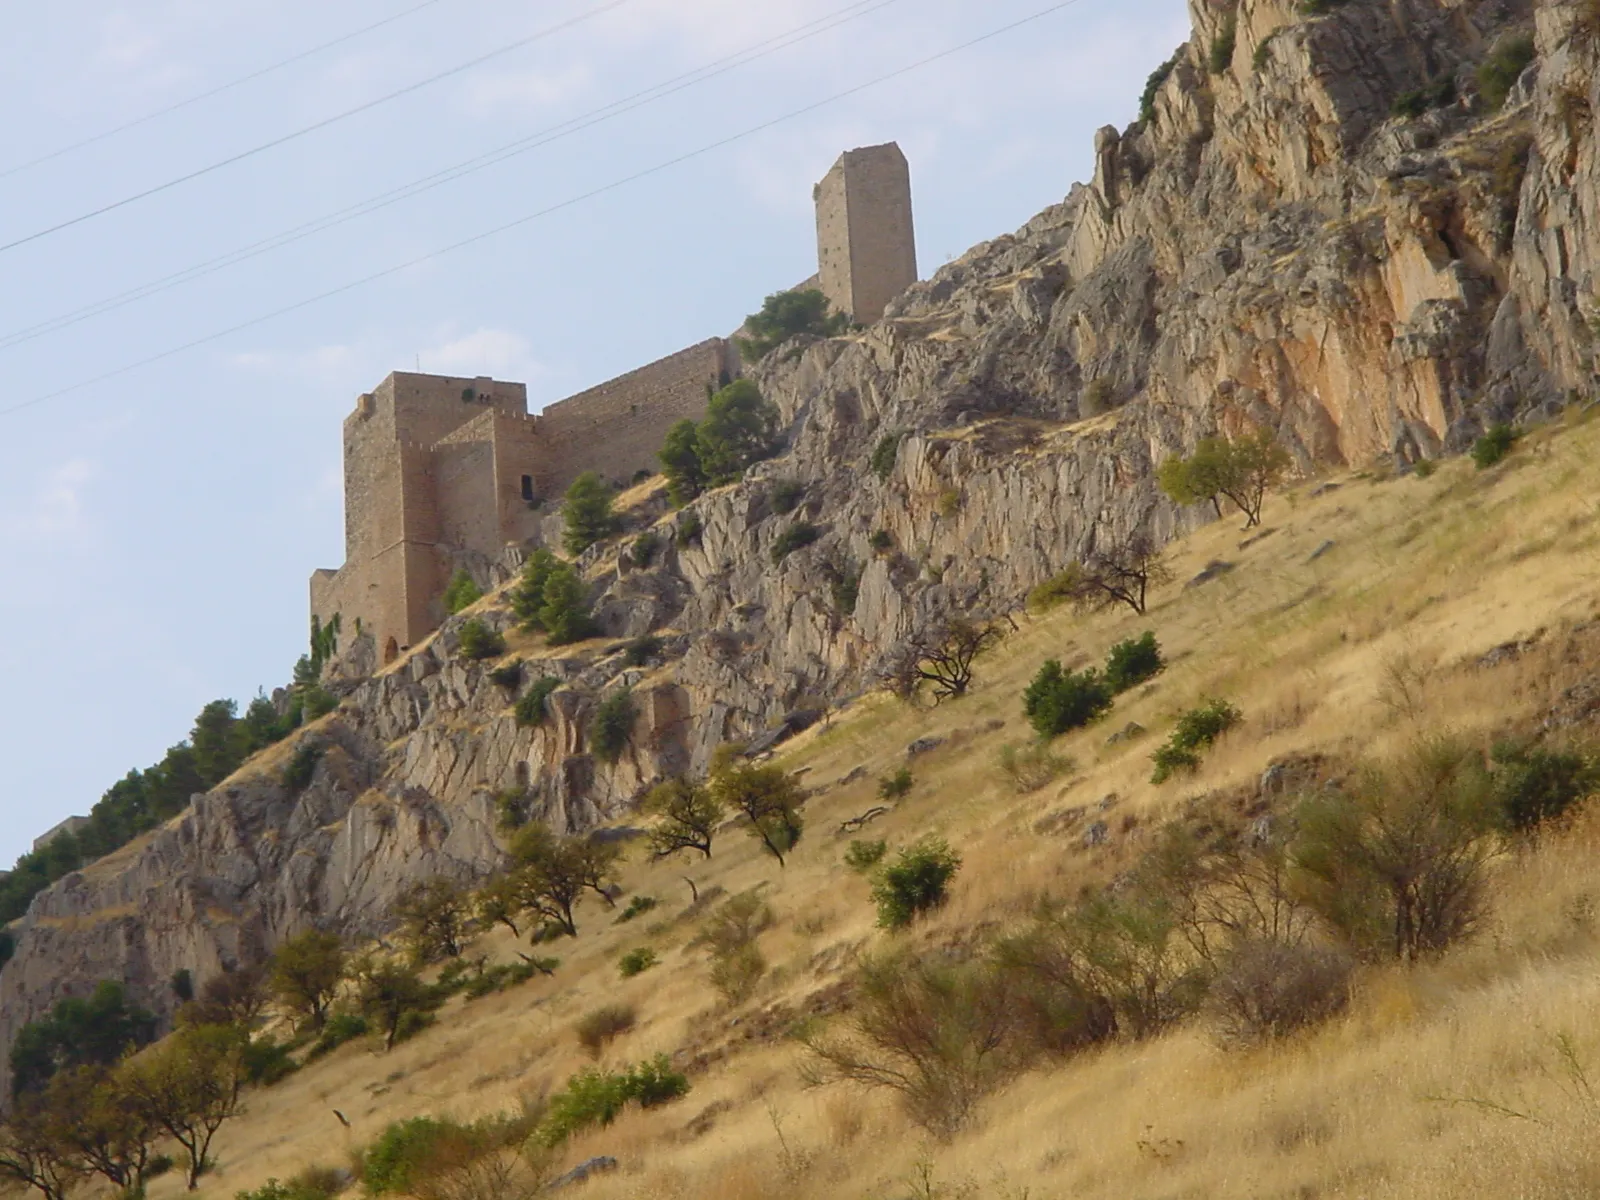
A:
x: 866, y: 244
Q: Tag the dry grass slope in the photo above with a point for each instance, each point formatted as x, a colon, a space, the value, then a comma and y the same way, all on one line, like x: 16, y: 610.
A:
x: 1467, y: 1077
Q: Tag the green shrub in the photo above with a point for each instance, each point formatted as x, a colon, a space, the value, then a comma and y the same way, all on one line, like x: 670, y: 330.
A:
x: 489, y: 980
x: 1054, y: 592
x: 564, y: 612
x: 640, y: 651
x: 311, y: 1184
x: 1493, y: 446
x: 1268, y: 989
x: 730, y: 934
x: 644, y: 548
x: 636, y: 962
x: 1196, y: 731
x: 882, y: 541
x: 949, y: 503
x: 844, y: 588
x: 1133, y: 661
x: 680, y: 463
x: 1535, y: 785
x: 915, y: 882
x: 1438, y: 94
x: 588, y: 514
x: 864, y: 855
x: 302, y: 765
x: 786, y: 495
x: 531, y: 708
x: 1097, y: 397
x: 1425, y: 468
x: 401, y: 1156
x: 341, y: 1027
x: 478, y: 641
x: 1263, y: 52
x: 1059, y: 700
x: 316, y: 702
x: 1222, y: 45
x: 884, y: 455
x: 637, y: 907
x: 598, y: 1029
x: 508, y: 676
x: 1498, y: 73
x: 1152, y: 85
x: 1031, y: 766
x: 893, y: 787
x: 613, y: 725
x: 461, y: 592
x: 740, y: 428
x: 688, y: 530
x: 267, y: 1060
x: 595, y: 1098
x: 801, y: 533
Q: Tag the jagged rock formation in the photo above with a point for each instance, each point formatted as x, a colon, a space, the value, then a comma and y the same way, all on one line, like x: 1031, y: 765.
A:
x: 1270, y: 248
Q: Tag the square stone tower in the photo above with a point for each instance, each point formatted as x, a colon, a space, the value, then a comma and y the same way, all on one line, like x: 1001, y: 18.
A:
x: 866, y: 244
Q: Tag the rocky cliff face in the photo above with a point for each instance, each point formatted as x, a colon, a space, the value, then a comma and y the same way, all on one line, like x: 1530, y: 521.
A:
x: 1271, y: 248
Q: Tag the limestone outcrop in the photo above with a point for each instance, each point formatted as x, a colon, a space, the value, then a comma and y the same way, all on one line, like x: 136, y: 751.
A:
x: 1273, y: 247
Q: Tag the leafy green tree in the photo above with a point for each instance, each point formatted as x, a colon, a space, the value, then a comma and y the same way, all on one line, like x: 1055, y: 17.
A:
x: 305, y: 973
x: 785, y: 315
x: 461, y: 592
x: 740, y: 428
x: 93, y: 1031
x: 768, y: 797
x: 434, y: 915
x: 96, y: 1126
x: 588, y: 513
x: 564, y: 614
x: 189, y: 1086
x: 394, y: 998
x: 32, y: 1154
x: 680, y: 463
x: 552, y: 873
x: 479, y: 642
x: 1133, y: 661
x: 527, y: 598
x: 687, y: 816
x: 1241, y: 469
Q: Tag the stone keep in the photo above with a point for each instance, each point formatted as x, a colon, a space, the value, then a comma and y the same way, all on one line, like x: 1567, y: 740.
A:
x: 866, y: 243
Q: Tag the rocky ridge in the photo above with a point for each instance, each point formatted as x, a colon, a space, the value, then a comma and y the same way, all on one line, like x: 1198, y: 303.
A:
x: 1270, y: 248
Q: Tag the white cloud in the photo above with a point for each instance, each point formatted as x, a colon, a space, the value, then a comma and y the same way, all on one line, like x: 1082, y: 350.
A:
x: 56, y: 507
x: 498, y: 352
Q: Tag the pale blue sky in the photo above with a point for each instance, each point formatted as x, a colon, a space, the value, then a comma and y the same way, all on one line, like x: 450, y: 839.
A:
x: 158, y: 527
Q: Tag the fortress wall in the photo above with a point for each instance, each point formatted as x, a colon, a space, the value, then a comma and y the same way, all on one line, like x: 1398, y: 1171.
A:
x: 866, y: 241
x: 468, y: 508
x: 833, y: 240
x: 518, y: 451
x: 617, y: 428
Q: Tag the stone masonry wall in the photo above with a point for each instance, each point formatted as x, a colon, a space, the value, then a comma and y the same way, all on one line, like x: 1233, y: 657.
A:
x: 866, y: 241
x: 617, y: 428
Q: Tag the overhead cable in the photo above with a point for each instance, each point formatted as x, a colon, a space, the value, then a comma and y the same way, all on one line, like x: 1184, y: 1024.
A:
x: 312, y: 128
x: 527, y: 218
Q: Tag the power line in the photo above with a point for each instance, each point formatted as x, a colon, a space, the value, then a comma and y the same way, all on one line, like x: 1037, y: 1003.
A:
x: 216, y: 91
x: 313, y: 127
x: 571, y: 202
x: 426, y: 183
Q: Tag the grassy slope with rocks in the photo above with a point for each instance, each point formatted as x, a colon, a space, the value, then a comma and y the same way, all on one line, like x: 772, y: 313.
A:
x: 1461, y: 1076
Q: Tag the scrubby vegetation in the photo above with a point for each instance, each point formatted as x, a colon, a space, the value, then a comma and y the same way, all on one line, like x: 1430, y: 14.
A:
x: 1196, y: 731
x: 461, y: 592
x: 1059, y: 700
x: 915, y: 882
x: 1499, y: 72
x: 587, y: 510
x: 786, y: 315
x: 478, y: 641
x: 1493, y: 446
x: 1241, y: 469
x: 740, y: 428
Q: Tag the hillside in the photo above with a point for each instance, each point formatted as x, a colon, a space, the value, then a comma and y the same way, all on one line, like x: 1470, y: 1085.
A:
x: 1366, y: 230
x: 1467, y: 602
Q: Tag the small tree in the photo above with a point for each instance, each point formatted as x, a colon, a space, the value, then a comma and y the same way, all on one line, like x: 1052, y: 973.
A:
x: 461, y: 592
x: 553, y: 873
x: 687, y: 816
x: 500, y: 902
x: 531, y: 708
x: 234, y: 997
x: 941, y: 658
x: 1241, y: 469
x: 1397, y: 864
x: 564, y: 612
x: 915, y: 882
x: 97, y: 1127
x: 527, y: 598
x: 1059, y: 700
x: 434, y: 915
x: 393, y: 997
x: 786, y: 315
x: 768, y: 797
x: 189, y: 1086
x: 32, y: 1154
x: 680, y: 463
x: 729, y: 936
x: 305, y: 974
x: 740, y: 428
x: 613, y: 725
x: 588, y: 514
x: 1120, y: 572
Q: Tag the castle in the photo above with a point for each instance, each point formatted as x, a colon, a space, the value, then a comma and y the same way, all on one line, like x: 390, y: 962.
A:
x: 442, y: 474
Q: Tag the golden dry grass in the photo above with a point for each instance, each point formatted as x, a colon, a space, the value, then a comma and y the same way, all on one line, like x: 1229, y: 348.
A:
x: 1445, y: 1081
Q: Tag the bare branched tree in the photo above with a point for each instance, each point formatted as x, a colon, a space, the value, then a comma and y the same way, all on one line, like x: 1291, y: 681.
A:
x: 1119, y: 572
x: 941, y: 658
